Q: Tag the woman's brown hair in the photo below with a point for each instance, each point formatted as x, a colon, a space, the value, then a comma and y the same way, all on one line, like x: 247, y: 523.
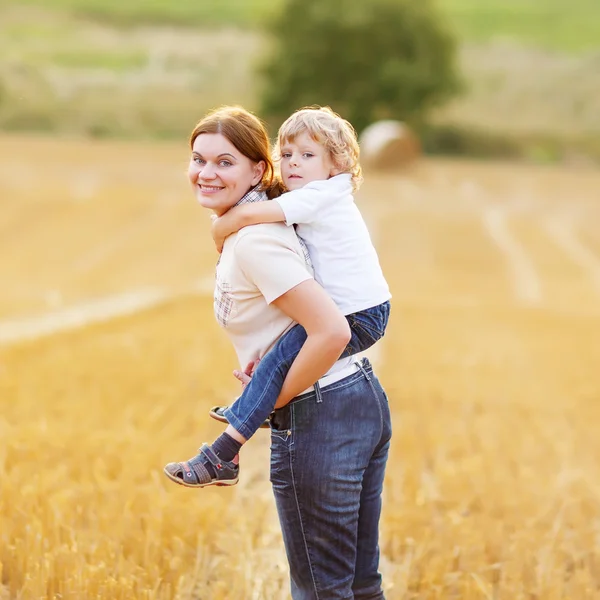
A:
x: 248, y: 134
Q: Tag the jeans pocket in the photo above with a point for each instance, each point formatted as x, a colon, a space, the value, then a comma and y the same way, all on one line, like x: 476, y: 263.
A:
x: 367, y: 334
x: 281, y: 435
x: 281, y: 426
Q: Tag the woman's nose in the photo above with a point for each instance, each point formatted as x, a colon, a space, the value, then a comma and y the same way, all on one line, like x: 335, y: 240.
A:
x: 207, y: 171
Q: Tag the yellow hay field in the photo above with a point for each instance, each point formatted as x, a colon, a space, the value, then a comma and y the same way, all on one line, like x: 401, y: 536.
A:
x: 110, y: 359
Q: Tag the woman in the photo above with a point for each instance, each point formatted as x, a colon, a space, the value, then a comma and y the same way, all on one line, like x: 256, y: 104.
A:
x: 329, y: 446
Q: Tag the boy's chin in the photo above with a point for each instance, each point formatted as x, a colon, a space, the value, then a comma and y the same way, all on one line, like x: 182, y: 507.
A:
x: 294, y: 184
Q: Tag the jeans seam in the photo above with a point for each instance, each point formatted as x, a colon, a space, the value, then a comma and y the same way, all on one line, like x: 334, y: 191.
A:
x: 377, y: 399
x: 310, y: 566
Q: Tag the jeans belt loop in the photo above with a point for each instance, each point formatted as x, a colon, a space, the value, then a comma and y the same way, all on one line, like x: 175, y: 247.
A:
x: 362, y: 368
x: 318, y: 392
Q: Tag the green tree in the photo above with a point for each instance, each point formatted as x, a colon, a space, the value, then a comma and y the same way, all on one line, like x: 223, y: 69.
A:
x: 369, y: 60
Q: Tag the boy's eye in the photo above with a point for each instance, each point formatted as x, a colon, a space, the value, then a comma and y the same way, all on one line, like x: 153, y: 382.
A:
x: 308, y: 155
x: 286, y: 155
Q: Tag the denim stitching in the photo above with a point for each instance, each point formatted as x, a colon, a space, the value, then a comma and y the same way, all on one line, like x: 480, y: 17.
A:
x: 310, y: 566
x: 378, y: 401
x: 239, y: 426
x: 280, y: 435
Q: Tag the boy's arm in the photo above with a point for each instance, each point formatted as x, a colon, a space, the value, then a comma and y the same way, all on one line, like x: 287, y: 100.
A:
x: 242, y: 216
x: 304, y: 206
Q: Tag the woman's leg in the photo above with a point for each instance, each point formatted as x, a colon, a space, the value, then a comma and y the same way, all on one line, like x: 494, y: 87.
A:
x: 367, y: 579
x: 322, y: 447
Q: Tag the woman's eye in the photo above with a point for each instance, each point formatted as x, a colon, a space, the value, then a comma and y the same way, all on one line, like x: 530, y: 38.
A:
x: 224, y: 163
x: 308, y: 155
x: 198, y: 160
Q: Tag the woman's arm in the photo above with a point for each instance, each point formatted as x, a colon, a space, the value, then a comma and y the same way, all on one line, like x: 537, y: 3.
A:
x: 328, y: 334
x: 242, y: 216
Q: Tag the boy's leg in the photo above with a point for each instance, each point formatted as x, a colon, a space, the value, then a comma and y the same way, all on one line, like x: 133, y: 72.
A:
x: 245, y: 416
x: 258, y: 399
x: 366, y: 328
x: 256, y: 403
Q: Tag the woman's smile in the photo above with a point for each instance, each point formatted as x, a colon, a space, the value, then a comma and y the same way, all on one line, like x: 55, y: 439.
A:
x: 219, y: 173
x: 210, y: 189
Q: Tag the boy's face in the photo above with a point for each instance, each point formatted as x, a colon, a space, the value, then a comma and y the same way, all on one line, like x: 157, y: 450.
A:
x: 304, y: 160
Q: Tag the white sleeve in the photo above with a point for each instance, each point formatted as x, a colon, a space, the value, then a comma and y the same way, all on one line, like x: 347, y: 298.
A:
x: 303, y: 205
x: 270, y: 262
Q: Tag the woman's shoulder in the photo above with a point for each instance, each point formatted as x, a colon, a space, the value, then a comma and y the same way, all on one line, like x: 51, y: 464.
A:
x: 270, y: 243
x: 267, y: 233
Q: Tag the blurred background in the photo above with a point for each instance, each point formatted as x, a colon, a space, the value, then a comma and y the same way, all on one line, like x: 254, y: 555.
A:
x: 514, y: 77
x: 485, y: 210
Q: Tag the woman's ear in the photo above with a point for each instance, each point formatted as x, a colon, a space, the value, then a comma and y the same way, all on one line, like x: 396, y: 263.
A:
x: 259, y: 171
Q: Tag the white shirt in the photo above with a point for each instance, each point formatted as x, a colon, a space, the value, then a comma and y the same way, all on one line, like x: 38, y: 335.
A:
x: 343, y: 256
x: 259, y: 264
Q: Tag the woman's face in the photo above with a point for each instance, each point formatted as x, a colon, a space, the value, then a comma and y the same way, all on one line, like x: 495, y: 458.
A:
x: 219, y: 173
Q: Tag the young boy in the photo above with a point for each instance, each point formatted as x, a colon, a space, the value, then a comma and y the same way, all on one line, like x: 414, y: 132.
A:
x: 318, y: 156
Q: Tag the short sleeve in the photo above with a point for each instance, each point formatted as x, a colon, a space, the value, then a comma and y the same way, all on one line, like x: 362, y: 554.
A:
x: 270, y: 262
x: 303, y: 205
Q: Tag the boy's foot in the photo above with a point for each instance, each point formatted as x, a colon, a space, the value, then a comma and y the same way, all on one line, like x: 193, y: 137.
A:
x: 218, y: 413
x: 204, y: 469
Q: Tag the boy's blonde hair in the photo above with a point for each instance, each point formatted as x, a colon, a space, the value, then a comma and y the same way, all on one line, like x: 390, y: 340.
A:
x: 329, y: 129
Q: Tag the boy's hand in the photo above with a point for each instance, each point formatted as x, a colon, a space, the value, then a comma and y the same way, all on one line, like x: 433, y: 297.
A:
x: 245, y: 376
x: 217, y: 232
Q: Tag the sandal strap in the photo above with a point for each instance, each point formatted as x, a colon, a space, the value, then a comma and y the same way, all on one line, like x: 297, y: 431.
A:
x: 211, y: 456
x: 196, y: 467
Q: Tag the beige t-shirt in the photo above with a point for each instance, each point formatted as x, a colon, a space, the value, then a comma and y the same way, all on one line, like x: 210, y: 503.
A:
x: 257, y: 265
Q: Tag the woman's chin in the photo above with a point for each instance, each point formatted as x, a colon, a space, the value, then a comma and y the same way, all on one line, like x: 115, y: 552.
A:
x: 207, y: 202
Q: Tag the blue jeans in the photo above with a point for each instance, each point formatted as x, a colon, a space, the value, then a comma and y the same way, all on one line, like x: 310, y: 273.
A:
x: 257, y: 401
x: 328, y: 458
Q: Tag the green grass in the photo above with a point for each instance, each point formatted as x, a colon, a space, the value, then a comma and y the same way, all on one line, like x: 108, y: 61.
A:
x: 563, y: 25
x: 572, y: 25
x: 84, y: 67
x: 193, y: 13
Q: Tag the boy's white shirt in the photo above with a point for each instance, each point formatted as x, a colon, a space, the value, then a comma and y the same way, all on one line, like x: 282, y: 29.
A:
x: 344, y: 259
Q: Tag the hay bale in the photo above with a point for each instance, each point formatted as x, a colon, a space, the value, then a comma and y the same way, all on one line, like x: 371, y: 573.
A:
x: 388, y: 145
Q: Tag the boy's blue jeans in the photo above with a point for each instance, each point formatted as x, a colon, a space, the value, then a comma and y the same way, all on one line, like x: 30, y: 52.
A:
x: 257, y: 401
